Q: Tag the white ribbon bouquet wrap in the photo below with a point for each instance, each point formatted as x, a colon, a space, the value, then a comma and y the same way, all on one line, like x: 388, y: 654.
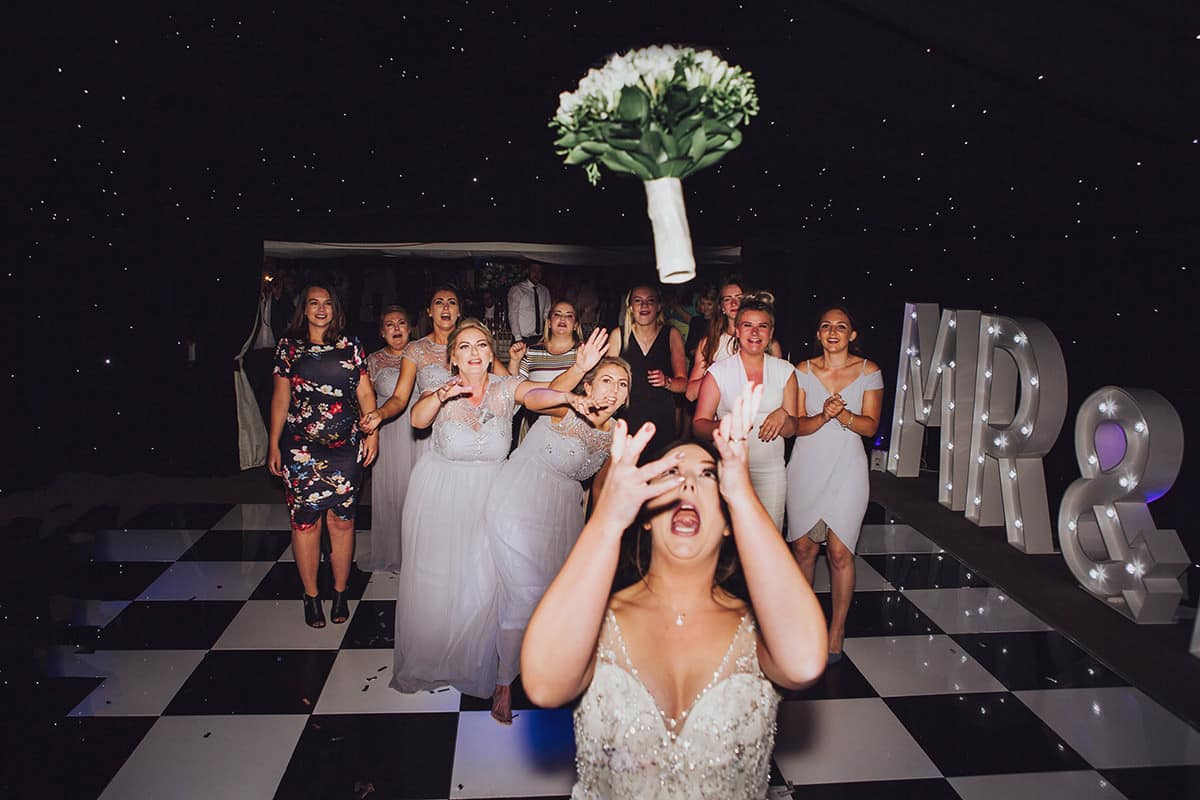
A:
x: 660, y: 114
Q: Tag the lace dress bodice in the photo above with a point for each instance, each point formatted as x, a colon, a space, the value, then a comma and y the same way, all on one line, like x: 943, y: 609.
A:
x: 430, y: 358
x: 720, y: 747
x: 569, y: 447
x: 466, y: 432
x: 384, y: 369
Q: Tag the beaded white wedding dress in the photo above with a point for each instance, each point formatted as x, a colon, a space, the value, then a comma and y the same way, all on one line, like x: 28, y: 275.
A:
x: 720, y: 747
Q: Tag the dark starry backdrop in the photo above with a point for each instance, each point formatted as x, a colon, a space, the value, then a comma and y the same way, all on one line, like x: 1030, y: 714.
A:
x: 1040, y: 159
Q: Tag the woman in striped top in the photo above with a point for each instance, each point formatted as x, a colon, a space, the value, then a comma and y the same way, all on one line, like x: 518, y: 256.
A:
x: 555, y: 353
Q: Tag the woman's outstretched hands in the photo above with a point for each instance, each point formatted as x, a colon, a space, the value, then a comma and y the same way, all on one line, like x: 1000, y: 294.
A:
x: 455, y: 387
x: 731, y: 440
x: 370, y: 421
x: 628, y: 486
x: 588, y: 354
x: 589, y: 407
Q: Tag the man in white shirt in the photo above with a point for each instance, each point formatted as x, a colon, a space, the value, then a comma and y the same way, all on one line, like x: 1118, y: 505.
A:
x: 528, y: 306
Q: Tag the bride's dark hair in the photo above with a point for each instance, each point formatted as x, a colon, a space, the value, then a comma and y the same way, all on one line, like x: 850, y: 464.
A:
x: 636, y: 544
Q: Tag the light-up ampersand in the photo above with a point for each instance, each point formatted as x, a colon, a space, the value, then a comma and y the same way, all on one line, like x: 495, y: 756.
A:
x: 1107, y: 535
x: 935, y: 387
x: 1020, y: 405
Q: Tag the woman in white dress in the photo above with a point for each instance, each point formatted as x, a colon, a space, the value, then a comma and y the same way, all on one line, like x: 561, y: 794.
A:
x: 446, y: 600
x: 676, y: 673
x: 536, y: 509
x: 720, y: 341
x: 827, y: 483
x: 723, y: 384
x: 397, y: 450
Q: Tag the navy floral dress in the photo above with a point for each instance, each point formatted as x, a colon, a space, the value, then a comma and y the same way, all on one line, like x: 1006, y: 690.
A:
x: 321, y: 446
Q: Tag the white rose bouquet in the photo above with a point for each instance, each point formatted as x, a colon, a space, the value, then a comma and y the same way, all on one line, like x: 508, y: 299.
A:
x: 661, y: 114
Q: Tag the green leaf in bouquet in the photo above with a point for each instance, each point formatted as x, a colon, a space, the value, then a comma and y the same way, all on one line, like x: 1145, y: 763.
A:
x: 578, y: 155
x: 735, y: 140
x: 704, y: 162
x: 675, y: 167
x: 688, y: 124
x: 595, y: 148
x: 712, y: 126
x: 670, y: 146
x: 650, y: 144
x: 697, y: 145
x: 623, y: 144
x: 715, y: 142
x: 621, y: 161
x: 677, y: 100
x: 634, y: 105
x: 567, y: 140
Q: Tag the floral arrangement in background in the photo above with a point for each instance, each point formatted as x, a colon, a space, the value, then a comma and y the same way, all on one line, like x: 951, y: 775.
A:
x: 658, y: 112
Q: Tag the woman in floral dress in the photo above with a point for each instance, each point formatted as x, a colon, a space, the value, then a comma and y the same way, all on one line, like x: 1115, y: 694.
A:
x: 321, y: 390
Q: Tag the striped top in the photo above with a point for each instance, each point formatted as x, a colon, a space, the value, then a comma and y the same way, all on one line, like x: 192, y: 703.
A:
x: 538, y: 364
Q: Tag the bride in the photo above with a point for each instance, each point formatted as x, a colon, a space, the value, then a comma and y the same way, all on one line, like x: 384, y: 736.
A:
x: 676, y: 672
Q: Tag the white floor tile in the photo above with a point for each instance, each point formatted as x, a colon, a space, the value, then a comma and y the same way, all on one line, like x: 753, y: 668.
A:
x: 908, y: 665
x: 143, y: 545
x: 533, y: 757
x: 815, y: 737
x: 230, y: 757
x: 383, y: 585
x: 208, y: 580
x: 256, y: 517
x: 97, y: 613
x: 974, y: 610
x: 1116, y: 726
x: 279, y: 625
x: 893, y: 539
x: 358, y: 684
x: 1037, y: 786
x: 138, y: 683
x: 866, y: 578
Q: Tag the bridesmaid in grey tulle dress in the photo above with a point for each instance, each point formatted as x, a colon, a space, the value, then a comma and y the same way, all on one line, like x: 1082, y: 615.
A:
x: 397, y: 447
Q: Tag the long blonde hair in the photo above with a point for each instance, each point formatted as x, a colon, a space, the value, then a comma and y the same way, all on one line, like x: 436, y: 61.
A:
x: 465, y: 323
x: 718, y: 321
x: 627, y: 319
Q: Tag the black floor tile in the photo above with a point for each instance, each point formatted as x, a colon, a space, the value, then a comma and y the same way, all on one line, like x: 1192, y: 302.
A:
x: 1036, y: 660
x: 183, y: 516
x: 373, y: 626
x: 239, y: 546
x: 983, y: 734
x: 372, y: 755
x: 169, y: 625
x: 32, y: 697
x: 1156, y: 783
x: 840, y: 681
x: 283, y: 583
x: 254, y: 682
x: 878, y: 515
x: 881, y: 614
x: 925, y: 571
x: 108, y: 580
x: 924, y: 789
x: 70, y: 757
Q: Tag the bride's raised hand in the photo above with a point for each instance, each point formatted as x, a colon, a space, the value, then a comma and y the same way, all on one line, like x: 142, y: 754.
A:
x: 588, y: 354
x: 628, y: 486
x: 731, y: 439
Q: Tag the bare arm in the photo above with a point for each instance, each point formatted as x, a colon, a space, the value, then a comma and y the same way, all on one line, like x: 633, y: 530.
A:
x: 394, y: 405
x: 558, y: 655
x: 280, y: 397
x: 699, y: 367
x: 425, y: 410
x: 782, y: 421
x: 677, y: 382
x: 793, y: 645
x: 704, y: 421
x: 366, y: 403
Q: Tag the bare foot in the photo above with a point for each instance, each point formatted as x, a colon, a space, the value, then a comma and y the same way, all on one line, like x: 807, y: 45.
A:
x: 502, y: 705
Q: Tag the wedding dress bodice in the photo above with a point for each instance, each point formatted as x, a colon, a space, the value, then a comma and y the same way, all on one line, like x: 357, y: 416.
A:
x: 430, y: 358
x: 720, y: 747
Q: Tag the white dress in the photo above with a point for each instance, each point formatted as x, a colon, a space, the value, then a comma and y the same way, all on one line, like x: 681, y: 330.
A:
x: 446, y: 603
x: 534, y: 516
x: 625, y: 746
x: 768, y: 471
x: 827, y: 475
x: 432, y: 372
x: 389, y: 476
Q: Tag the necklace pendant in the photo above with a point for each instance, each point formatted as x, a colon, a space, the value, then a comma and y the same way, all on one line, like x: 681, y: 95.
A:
x: 679, y: 620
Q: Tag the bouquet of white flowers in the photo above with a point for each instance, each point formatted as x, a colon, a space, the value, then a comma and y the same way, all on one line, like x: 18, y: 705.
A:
x: 660, y: 114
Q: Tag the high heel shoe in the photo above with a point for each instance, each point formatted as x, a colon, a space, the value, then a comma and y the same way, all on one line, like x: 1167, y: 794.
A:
x: 314, y: 615
x: 339, y: 611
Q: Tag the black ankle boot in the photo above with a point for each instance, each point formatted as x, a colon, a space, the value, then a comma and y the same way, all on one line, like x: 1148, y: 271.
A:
x: 314, y: 615
x: 339, y: 611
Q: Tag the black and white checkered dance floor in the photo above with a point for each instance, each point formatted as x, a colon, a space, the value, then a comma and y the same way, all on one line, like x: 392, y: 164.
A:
x: 188, y: 672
